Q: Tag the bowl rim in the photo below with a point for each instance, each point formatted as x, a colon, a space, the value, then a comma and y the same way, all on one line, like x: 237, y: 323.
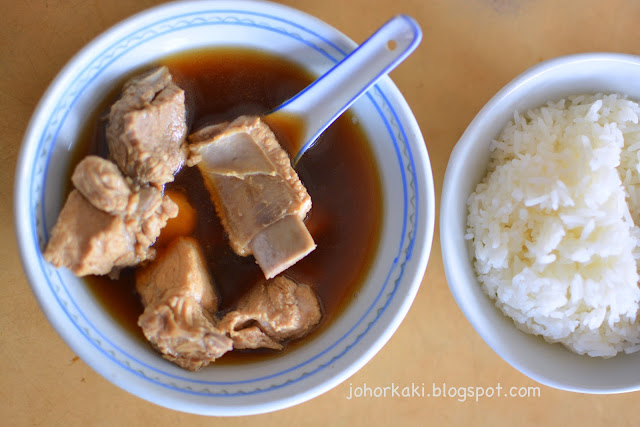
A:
x: 452, y: 262
x: 422, y: 174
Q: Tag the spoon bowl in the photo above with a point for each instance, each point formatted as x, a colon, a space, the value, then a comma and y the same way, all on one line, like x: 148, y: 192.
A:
x: 322, y: 102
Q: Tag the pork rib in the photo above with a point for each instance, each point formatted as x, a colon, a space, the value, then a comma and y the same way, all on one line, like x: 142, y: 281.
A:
x: 258, y: 196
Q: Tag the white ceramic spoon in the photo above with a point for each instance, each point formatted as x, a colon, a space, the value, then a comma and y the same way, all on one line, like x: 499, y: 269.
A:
x: 322, y: 102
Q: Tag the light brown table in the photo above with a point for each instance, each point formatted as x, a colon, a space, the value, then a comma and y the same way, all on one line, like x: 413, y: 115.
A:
x: 471, y: 48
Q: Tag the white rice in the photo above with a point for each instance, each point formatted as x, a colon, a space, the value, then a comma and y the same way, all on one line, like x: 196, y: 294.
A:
x: 553, y: 223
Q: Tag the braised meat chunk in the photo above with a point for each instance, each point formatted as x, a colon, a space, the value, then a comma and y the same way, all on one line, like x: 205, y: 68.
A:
x: 258, y: 196
x: 105, y: 224
x: 180, y: 305
x: 147, y: 213
x: 272, y: 312
x: 87, y: 240
x: 147, y: 128
x: 101, y: 183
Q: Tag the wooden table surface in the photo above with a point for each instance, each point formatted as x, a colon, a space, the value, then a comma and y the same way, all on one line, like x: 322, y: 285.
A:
x: 470, y: 49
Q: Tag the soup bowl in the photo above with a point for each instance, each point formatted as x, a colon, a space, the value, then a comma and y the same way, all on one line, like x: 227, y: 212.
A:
x: 331, y: 355
x: 549, y: 364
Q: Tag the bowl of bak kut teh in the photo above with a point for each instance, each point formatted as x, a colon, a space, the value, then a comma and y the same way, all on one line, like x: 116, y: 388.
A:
x: 171, y: 242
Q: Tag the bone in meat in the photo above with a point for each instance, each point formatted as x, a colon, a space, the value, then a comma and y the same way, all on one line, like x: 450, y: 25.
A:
x: 258, y: 195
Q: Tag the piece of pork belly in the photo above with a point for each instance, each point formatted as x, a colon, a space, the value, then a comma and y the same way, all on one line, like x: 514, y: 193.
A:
x: 258, y: 196
x: 147, y: 128
x: 273, y: 311
x: 180, y: 304
x: 105, y: 225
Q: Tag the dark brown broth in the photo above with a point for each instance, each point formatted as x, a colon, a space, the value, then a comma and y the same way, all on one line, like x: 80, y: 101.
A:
x: 339, y: 172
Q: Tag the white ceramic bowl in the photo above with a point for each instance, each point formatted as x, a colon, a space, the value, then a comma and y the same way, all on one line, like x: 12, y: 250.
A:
x: 552, y: 365
x: 326, y: 360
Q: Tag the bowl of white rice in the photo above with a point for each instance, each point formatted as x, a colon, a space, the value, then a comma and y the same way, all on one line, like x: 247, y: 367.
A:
x: 540, y: 223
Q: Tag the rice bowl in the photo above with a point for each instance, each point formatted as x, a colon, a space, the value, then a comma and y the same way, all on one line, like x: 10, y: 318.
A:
x: 549, y: 364
x: 554, y: 240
